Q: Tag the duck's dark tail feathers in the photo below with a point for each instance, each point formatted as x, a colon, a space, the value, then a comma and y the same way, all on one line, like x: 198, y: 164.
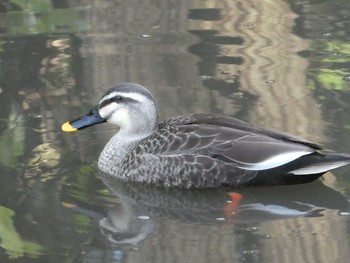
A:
x: 319, y: 163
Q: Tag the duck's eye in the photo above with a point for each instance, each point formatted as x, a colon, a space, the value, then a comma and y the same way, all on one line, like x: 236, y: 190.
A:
x: 118, y: 98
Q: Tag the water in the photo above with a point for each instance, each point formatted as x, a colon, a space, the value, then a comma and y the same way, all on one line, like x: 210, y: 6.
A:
x: 279, y: 64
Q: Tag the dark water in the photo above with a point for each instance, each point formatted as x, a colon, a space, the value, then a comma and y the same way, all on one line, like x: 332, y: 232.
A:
x: 279, y: 64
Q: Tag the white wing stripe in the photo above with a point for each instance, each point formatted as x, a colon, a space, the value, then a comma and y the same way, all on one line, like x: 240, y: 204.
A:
x: 318, y: 168
x: 274, y: 161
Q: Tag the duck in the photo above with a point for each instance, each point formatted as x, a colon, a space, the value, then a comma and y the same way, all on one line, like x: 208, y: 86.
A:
x: 198, y: 150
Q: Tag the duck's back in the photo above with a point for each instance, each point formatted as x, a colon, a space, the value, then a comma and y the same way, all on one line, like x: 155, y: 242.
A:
x: 211, y: 150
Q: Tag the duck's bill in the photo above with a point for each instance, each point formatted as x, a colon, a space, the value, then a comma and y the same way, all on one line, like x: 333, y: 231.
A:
x: 90, y: 119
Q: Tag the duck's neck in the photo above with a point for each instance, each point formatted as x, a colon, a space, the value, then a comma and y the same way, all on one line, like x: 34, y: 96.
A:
x: 115, y: 151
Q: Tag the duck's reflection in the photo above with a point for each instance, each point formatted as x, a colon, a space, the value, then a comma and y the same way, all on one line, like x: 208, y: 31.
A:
x: 142, y: 206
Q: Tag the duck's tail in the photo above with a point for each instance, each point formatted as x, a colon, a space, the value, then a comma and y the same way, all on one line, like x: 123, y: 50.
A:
x: 319, y: 163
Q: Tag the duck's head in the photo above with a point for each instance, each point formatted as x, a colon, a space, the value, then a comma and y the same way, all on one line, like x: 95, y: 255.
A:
x: 128, y: 105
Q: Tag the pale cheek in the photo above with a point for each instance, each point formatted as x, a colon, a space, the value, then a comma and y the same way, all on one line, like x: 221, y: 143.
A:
x: 120, y: 118
x: 107, y: 110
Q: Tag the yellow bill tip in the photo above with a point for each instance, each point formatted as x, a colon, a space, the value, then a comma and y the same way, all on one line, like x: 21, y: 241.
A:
x: 66, y: 127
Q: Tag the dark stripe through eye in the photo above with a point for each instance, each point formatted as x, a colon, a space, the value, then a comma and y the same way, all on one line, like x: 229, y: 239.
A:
x: 117, y: 99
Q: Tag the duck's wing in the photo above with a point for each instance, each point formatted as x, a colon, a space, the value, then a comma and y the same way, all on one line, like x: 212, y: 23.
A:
x: 225, y: 139
x: 230, y: 122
